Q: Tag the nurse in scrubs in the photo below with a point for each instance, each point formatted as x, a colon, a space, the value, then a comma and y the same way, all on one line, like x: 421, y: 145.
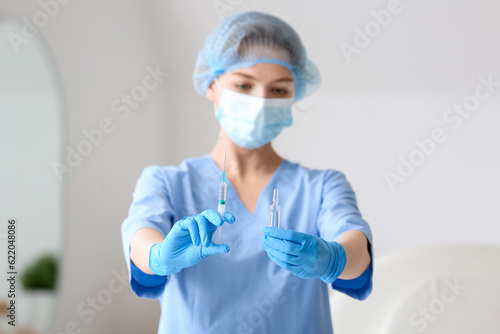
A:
x: 259, y: 279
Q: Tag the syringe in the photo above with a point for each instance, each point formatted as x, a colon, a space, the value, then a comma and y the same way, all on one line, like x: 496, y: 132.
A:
x: 221, y: 208
x: 274, y: 210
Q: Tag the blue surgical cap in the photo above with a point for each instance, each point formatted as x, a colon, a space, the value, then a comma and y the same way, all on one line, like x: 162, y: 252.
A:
x: 248, y: 38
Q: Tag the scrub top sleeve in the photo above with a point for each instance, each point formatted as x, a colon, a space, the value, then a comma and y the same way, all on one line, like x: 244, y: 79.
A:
x: 360, y: 287
x: 145, y: 285
x: 338, y: 214
x: 150, y: 208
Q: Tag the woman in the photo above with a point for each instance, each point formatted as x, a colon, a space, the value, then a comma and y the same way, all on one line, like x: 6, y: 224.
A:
x: 260, y: 279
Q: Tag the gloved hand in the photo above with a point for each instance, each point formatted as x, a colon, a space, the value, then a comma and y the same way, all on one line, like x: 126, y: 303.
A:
x: 304, y: 255
x: 188, y: 242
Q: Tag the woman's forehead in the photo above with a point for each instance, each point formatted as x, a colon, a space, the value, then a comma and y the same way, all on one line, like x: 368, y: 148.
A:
x: 263, y: 71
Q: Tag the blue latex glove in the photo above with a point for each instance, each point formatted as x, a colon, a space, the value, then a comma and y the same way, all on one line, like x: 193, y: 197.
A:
x: 188, y: 242
x: 304, y: 255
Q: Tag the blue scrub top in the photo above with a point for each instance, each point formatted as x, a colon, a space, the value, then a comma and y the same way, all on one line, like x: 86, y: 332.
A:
x: 243, y: 291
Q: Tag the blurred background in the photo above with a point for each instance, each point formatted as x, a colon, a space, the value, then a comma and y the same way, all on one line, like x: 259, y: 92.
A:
x: 395, y: 75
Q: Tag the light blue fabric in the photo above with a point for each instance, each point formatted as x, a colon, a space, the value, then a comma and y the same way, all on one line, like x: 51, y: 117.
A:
x: 248, y: 38
x: 243, y: 291
x: 251, y: 121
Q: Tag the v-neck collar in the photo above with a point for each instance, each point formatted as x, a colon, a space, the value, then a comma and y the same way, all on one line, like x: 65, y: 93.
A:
x: 236, y: 196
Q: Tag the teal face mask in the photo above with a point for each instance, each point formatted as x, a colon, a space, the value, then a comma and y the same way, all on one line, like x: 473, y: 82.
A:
x: 250, y: 121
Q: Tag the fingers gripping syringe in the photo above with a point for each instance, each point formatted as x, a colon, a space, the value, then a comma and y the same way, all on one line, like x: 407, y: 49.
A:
x: 275, y: 210
x: 221, y: 208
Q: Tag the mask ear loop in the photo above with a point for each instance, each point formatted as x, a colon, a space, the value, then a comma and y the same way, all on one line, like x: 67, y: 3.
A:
x: 216, y: 82
x: 219, y: 90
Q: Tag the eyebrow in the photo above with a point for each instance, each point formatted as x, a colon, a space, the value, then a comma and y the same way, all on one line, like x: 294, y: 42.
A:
x: 287, y: 79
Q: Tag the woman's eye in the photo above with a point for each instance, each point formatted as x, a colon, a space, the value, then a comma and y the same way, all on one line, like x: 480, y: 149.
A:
x: 280, y: 91
x: 243, y: 86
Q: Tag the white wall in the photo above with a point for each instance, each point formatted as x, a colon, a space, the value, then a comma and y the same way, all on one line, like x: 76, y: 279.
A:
x: 367, y: 113
x: 31, y: 127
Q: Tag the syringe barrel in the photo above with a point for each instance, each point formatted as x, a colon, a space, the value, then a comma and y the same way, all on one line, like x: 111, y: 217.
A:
x: 274, y: 215
x: 221, y: 208
x: 222, y: 192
